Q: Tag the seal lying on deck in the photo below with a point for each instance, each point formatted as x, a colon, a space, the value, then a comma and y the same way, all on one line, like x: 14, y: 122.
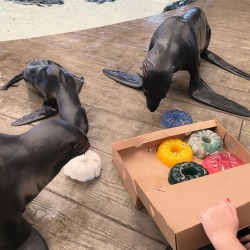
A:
x: 28, y: 162
x: 58, y: 87
x: 178, y: 44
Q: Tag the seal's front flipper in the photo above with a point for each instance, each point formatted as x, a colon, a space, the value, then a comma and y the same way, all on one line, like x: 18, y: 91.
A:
x: 12, y: 81
x: 130, y: 80
x: 35, y: 241
x: 206, y: 95
x: 213, y: 58
x: 39, y: 114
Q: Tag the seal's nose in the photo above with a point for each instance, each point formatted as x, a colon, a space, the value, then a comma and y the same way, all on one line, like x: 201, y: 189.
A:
x: 82, y: 147
x: 152, y: 106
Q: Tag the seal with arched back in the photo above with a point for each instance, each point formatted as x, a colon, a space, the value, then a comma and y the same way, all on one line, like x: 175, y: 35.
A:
x: 58, y: 87
x: 178, y: 44
x: 28, y: 162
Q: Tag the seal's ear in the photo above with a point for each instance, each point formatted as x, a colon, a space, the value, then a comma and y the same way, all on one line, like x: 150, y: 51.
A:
x: 66, y: 78
x: 62, y: 78
x: 79, y: 82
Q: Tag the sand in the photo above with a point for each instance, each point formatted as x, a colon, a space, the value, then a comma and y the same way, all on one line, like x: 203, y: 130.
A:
x: 26, y: 21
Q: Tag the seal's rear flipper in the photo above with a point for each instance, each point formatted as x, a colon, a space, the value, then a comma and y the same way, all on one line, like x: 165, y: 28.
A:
x: 213, y: 58
x: 35, y: 241
x: 39, y: 114
x: 130, y: 80
x: 206, y: 95
x: 12, y: 81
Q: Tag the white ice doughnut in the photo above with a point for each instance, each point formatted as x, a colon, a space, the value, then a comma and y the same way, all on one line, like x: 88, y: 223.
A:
x: 84, y: 167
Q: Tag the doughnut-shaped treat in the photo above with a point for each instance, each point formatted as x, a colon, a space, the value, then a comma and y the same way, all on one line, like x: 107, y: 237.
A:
x: 84, y: 167
x: 205, y: 142
x: 173, y: 151
x: 175, y: 118
x: 221, y: 161
x: 185, y: 171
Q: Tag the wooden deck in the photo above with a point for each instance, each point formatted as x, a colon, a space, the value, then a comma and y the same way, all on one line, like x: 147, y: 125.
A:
x: 98, y: 214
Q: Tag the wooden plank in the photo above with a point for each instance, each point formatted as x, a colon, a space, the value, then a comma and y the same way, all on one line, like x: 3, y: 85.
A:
x: 69, y: 225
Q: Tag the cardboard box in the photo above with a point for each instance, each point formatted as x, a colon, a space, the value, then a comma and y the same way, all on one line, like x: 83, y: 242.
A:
x: 176, y: 208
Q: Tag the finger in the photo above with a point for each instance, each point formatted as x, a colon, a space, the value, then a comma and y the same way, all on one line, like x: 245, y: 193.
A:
x: 247, y: 246
x: 220, y: 202
x: 231, y: 206
x: 245, y: 238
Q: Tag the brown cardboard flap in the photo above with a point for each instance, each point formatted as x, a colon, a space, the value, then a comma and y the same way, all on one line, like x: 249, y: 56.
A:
x: 158, y: 136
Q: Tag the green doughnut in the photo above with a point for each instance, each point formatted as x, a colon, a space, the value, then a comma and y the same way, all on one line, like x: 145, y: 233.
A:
x: 186, y: 171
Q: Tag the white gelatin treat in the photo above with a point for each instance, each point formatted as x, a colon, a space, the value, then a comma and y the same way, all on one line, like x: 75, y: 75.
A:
x: 84, y: 167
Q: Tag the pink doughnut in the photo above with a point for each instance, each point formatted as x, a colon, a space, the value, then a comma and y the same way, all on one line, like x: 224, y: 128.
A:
x: 220, y: 161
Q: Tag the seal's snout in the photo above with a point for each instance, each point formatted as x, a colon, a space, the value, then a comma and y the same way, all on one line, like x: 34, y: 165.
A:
x: 81, y: 144
x: 152, y: 106
x: 85, y: 146
x: 152, y: 109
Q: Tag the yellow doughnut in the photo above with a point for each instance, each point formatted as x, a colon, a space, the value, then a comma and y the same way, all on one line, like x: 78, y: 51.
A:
x: 174, y: 151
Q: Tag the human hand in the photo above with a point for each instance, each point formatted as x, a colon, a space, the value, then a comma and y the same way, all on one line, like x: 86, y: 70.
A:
x: 220, y: 222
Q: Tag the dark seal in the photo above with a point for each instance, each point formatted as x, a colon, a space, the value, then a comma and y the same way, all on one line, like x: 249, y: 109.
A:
x: 179, y: 43
x: 28, y: 162
x: 58, y: 87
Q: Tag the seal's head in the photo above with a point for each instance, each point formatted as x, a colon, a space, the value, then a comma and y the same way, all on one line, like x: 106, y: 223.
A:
x: 70, y: 107
x: 62, y: 135
x: 50, y: 145
x: 155, y: 87
x: 78, y: 142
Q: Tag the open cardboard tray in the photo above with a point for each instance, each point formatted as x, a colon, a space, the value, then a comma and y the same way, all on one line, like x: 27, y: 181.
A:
x: 176, y: 208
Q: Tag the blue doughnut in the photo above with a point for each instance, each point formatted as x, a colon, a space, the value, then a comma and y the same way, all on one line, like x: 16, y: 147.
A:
x: 175, y: 118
